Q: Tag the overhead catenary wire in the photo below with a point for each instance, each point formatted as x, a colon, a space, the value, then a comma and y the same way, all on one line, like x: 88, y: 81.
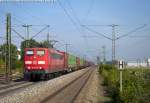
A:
x: 70, y: 18
x: 132, y: 31
x: 78, y: 21
x: 96, y: 32
x: 73, y: 12
x: 13, y: 17
x: 89, y: 10
x: 18, y: 34
x: 67, y: 14
x: 142, y: 36
x: 22, y: 23
x: 75, y: 23
x: 40, y: 31
x: 114, y: 38
x: 30, y: 14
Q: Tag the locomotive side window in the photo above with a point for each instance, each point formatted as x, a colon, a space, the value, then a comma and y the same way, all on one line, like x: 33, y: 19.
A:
x: 29, y: 52
x: 40, y: 52
x: 56, y: 56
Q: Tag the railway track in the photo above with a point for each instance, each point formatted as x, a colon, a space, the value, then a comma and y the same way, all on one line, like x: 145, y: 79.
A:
x: 67, y: 89
x: 9, y: 89
x: 16, y: 83
x: 12, y: 85
x: 70, y: 92
x: 12, y: 77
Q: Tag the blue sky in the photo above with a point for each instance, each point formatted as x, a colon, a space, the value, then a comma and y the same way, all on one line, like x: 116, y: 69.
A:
x: 128, y: 14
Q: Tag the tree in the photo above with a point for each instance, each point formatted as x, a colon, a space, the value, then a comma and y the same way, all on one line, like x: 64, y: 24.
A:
x: 45, y: 44
x: 34, y: 44
x: 13, y: 53
x: 28, y: 44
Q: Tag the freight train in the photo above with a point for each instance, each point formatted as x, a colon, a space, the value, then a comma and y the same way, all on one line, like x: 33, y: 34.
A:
x: 43, y: 62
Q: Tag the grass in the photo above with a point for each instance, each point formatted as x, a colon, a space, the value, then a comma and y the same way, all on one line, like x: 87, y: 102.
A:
x: 136, y: 85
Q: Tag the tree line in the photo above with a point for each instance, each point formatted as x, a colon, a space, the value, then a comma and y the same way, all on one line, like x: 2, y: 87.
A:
x: 24, y: 44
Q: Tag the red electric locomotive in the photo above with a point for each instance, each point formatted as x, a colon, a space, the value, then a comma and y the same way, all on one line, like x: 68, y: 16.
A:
x: 40, y: 62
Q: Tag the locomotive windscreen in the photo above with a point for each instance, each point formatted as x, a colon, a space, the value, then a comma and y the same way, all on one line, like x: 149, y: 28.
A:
x: 40, y: 52
x: 29, y: 52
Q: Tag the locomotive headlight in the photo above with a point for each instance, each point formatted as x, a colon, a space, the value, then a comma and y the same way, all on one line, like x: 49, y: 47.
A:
x: 28, y: 62
x: 41, y: 62
x: 40, y: 67
x: 28, y: 67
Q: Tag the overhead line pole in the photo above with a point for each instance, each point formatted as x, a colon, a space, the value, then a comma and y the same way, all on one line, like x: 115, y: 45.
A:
x: 114, y: 38
x: 104, y: 54
x: 66, y: 46
x: 8, y: 46
x: 27, y: 31
x: 48, y: 40
x: 113, y: 42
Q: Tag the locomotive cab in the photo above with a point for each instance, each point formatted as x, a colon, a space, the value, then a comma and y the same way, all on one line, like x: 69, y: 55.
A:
x: 35, y: 61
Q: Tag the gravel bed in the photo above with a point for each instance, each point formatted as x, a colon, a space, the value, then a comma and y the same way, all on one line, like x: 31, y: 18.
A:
x: 93, y: 92
x: 89, y: 93
x: 36, y: 93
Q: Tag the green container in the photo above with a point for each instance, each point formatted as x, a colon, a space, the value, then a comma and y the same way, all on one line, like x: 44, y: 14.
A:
x: 81, y: 62
x: 72, y: 61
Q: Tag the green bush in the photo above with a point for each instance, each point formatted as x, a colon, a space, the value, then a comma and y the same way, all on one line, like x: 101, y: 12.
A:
x: 136, y: 85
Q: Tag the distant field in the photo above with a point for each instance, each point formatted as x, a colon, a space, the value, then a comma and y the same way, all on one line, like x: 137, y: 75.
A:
x: 136, y: 84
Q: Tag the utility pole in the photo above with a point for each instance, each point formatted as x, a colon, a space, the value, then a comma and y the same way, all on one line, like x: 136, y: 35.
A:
x: 104, y: 54
x: 8, y: 46
x: 113, y: 39
x: 48, y: 40
x: 113, y: 42
x: 84, y: 57
x: 27, y: 31
x: 98, y: 60
x: 66, y: 45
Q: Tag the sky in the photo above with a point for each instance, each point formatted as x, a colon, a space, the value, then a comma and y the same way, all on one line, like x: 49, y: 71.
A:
x: 67, y: 17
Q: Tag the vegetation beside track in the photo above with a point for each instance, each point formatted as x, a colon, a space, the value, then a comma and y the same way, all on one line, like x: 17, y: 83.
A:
x: 136, y: 84
x: 17, y: 65
x: 18, y: 68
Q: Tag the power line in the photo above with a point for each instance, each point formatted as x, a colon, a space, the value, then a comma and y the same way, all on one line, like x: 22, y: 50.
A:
x: 30, y: 14
x: 18, y: 34
x: 89, y: 10
x: 142, y: 36
x: 86, y: 41
x: 73, y: 12
x: 13, y: 17
x: 132, y: 31
x: 70, y: 18
x: 65, y: 11
x: 114, y: 36
x: 88, y: 36
x: 77, y: 19
x: 96, y: 32
x: 40, y: 31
